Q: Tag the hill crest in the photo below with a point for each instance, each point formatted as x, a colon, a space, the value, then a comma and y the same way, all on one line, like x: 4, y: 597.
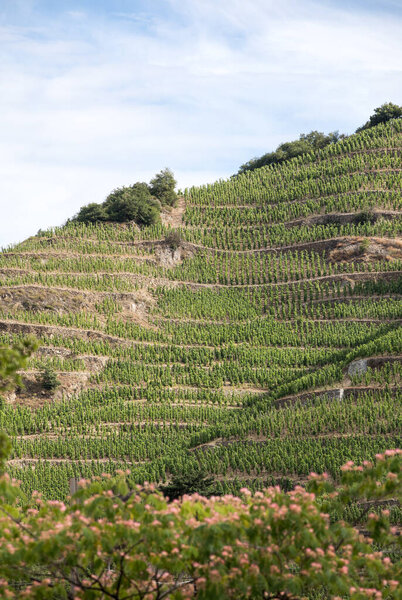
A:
x: 236, y: 339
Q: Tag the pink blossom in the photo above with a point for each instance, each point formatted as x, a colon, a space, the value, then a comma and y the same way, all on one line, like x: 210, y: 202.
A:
x: 214, y: 575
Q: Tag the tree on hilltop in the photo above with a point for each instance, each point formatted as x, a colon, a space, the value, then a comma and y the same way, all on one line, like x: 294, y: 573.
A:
x: 162, y: 186
x: 132, y: 203
x: 307, y: 142
x: 139, y: 202
x: 316, y: 140
x: 91, y: 213
x: 382, y: 114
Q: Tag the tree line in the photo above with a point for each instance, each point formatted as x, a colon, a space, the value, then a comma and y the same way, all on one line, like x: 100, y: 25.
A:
x: 139, y: 202
x: 315, y: 140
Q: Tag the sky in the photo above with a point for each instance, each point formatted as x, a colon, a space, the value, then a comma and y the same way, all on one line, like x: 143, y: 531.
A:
x: 96, y: 94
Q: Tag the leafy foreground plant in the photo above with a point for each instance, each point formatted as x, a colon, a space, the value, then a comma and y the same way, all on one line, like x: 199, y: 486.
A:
x: 110, y: 542
x: 12, y: 359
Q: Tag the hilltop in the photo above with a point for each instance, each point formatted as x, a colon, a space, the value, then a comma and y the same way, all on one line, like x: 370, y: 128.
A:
x: 261, y: 342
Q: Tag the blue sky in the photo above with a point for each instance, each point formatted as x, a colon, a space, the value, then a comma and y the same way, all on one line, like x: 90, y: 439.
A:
x: 100, y: 93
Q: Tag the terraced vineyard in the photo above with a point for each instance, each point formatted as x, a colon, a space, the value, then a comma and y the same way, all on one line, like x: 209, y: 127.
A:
x: 267, y: 345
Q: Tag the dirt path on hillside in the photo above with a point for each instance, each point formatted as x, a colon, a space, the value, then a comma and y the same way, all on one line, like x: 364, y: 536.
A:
x: 174, y: 217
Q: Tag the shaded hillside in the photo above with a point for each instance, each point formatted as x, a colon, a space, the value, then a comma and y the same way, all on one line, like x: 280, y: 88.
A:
x: 235, y: 350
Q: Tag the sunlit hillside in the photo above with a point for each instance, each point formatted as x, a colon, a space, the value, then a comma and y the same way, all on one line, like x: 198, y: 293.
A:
x: 262, y: 344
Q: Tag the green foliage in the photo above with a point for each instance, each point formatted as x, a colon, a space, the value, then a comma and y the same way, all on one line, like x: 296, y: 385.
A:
x: 316, y: 140
x: 139, y: 202
x: 129, y: 203
x: 5, y: 448
x: 132, y: 203
x: 307, y: 142
x: 119, y: 542
x: 382, y: 114
x: 12, y: 359
x: 364, y: 246
x: 162, y: 186
x: 222, y: 362
x: 365, y: 216
x: 92, y: 213
x: 48, y: 378
x: 194, y: 482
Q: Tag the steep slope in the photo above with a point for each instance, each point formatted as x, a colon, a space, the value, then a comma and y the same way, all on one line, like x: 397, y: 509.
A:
x: 242, y: 351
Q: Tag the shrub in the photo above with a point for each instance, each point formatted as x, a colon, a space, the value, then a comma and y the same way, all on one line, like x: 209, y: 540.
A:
x: 305, y: 144
x: 382, y: 114
x: 48, y: 379
x: 128, y: 203
x: 132, y: 203
x: 173, y: 239
x: 196, y: 482
x: 364, y: 246
x: 12, y: 359
x: 139, y: 202
x: 124, y: 204
x: 365, y: 216
x: 91, y: 213
x: 162, y: 186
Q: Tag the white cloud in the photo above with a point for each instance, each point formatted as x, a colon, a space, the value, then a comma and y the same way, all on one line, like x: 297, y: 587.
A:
x: 90, y: 103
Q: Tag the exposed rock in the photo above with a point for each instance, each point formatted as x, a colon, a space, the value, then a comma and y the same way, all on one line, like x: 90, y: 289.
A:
x: 357, y: 367
x: 360, y: 366
x: 49, y: 351
x: 360, y: 249
x: 167, y: 257
x: 336, y: 394
x: 136, y: 306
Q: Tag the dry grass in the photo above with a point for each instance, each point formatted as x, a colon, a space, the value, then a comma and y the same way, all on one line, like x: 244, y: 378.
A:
x: 367, y: 250
x: 43, y: 300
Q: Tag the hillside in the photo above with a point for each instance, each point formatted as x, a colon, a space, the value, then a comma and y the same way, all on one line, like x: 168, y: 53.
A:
x: 268, y: 344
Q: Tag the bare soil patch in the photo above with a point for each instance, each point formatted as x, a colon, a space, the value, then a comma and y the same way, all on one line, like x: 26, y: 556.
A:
x: 33, y: 395
x: 173, y: 216
x: 43, y: 300
x: 366, y: 250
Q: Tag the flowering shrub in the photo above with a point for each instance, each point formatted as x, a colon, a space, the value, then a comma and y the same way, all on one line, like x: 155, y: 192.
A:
x: 112, y: 542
